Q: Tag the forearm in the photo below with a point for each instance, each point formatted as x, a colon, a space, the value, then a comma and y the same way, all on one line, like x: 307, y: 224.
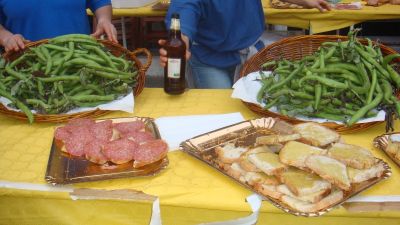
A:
x: 104, y: 13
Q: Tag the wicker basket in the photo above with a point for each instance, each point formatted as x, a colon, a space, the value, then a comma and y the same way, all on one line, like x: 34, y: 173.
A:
x: 294, y: 48
x: 116, y: 50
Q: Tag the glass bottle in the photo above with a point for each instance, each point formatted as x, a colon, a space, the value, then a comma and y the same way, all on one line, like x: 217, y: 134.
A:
x: 174, y: 71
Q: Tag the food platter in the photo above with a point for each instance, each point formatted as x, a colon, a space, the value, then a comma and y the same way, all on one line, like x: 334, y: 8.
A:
x: 62, y: 168
x: 381, y: 142
x: 204, y: 148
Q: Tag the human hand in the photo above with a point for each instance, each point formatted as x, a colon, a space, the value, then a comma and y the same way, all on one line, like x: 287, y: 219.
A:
x: 13, y: 42
x: 104, y: 26
x: 163, y: 52
x: 321, y: 5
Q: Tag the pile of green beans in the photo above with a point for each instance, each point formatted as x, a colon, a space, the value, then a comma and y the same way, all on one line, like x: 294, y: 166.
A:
x: 69, y: 71
x: 343, y: 81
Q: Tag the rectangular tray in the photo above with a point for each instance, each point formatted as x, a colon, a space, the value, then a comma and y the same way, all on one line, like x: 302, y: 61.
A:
x: 65, y: 169
x: 381, y: 142
x: 202, y: 147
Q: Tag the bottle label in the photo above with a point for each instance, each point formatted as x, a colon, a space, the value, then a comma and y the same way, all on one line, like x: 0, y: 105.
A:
x: 174, y: 68
x: 175, y: 24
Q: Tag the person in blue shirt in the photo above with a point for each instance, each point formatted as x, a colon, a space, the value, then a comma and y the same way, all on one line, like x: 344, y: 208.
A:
x: 32, y: 20
x: 216, y: 32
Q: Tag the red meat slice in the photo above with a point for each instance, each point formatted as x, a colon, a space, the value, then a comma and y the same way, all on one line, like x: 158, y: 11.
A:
x: 102, y: 131
x: 127, y: 127
x: 139, y: 136
x: 150, y: 152
x: 120, y: 151
x: 62, y: 133
x: 79, y: 137
x: 93, y: 152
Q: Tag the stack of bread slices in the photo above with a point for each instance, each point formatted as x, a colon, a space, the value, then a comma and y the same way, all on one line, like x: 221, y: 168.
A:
x: 308, y: 169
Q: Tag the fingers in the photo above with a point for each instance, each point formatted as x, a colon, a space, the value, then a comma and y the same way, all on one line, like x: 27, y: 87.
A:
x: 14, y: 43
x: 325, y: 5
x: 162, y: 42
x: 97, y: 33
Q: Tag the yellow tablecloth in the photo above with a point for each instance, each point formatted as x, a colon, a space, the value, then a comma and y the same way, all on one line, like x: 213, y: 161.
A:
x: 190, y: 192
x: 301, y: 18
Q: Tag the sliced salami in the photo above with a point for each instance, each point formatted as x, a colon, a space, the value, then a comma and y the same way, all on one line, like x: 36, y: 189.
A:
x: 77, y: 140
x: 84, y: 122
x: 150, y: 152
x: 120, y: 151
x: 102, y: 131
x: 62, y: 134
x: 93, y: 152
x: 139, y: 136
x: 127, y: 127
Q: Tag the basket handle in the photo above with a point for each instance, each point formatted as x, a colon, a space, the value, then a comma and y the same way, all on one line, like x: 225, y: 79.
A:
x: 148, y: 57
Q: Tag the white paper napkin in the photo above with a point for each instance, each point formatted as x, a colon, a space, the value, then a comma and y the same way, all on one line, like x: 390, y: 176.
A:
x: 247, y: 87
x: 176, y: 129
x: 125, y: 104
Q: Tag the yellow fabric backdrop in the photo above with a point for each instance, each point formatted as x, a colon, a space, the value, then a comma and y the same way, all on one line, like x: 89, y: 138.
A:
x: 190, y: 192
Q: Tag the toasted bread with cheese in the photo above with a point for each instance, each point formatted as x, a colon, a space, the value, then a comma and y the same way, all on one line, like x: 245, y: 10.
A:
x: 303, y: 206
x: 330, y: 169
x: 244, y: 159
x: 266, y: 161
x: 253, y: 178
x: 229, y: 153
x: 302, y: 183
x: 315, y: 134
x: 268, y: 190
x: 352, y: 155
x: 295, y: 153
x: 358, y: 176
x: 393, y: 146
x: 276, y: 138
x: 311, y: 198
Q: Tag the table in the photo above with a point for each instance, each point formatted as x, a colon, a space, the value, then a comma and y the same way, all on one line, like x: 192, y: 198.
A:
x: 301, y: 18
x: 189, y: 191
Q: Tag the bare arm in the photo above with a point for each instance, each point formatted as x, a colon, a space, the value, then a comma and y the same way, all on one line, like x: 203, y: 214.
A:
x: 321, y: 5
x: 11, y: 41
x: 104, y: 25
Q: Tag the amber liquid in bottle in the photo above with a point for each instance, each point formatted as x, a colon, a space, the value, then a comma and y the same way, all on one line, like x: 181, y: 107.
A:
x: 174, y: 71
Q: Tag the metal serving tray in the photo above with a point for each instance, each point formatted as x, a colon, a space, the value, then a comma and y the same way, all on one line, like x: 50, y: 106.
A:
x: 381, y: 143
x: 203, y: 148
x: 63, y: 168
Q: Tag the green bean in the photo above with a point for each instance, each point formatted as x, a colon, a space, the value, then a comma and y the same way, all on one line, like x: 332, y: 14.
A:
x: 387, y: 91
x: 49, y: 61
x: 394, y: 75
x: 103, y: 55
x: 112, y: 75
x: 326, y: 81
x: 265, y: 84
x: 329, y: 116
x: 372, y: 61
x: 271, y: 103
x: 268, y: 64
x: 89, y: 104
x: 59, y: 78
x: 38, y: 102
x: 361, y: 112
x: 92, y: 98
x: 287, y: 79
x: 387, y: 59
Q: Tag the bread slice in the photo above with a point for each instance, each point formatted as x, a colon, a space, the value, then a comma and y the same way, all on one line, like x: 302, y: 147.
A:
x: 333, y: 198
x: 352, y: 155
x: 302, y: 183
x: 236, y: 172
x: 268, y: 190
x: 229, y: 153
x: 295, y: 153
x: 244, y: 159
x: 329, y: 169
x: 358, y: 176
x: 316, y: 134
x: 311, y: 198
x: 276, y: 138
x: 253, y: 178
x: 266, y: 161
x: 393, y: 146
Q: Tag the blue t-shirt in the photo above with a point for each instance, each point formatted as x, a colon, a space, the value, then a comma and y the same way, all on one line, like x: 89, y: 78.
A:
x: 218, y: 29
x: 39, y: 19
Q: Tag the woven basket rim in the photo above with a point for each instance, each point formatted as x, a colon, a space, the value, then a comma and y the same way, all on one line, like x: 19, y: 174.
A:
x: 63, y: 117
x: 250, y: 66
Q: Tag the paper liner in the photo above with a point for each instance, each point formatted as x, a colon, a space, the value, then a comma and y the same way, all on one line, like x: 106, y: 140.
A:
x: 63, y: 168
x: 244, y: 134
